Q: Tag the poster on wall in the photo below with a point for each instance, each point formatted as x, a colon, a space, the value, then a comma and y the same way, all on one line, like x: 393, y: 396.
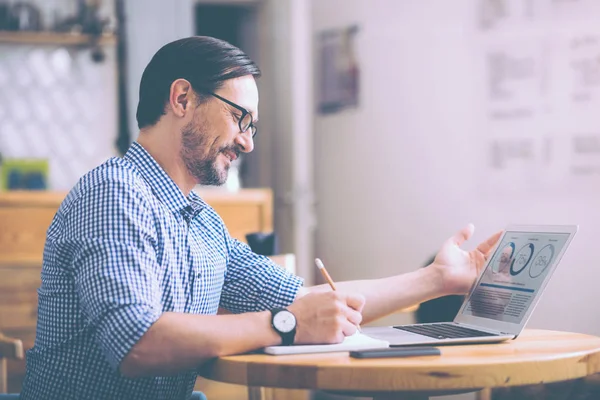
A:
x: 577, y: 61
x: 338, y: 70
x: 516, y: 109
x: 503, y: 14
x: 540, y: 93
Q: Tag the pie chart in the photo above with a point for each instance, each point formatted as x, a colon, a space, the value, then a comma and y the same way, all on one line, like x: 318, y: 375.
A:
x: 522, y: 259
x: 542, y: 261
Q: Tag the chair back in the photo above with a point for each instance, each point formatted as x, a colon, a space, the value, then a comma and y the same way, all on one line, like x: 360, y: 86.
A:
x: 9, y: 349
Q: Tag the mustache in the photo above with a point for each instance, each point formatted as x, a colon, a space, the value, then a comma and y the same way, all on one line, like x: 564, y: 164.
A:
x: 234, y: 149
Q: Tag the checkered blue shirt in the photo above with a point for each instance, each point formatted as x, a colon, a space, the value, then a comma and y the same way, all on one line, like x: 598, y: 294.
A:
x: 125, y: 246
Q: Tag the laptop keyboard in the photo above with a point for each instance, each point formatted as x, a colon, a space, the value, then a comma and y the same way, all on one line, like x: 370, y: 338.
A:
x: 443, y: 331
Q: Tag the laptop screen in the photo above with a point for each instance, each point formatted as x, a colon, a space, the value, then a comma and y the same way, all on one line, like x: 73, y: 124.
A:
x: 514, y: 276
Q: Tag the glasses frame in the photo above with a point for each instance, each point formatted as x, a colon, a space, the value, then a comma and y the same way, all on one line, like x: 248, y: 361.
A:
x: 254, y: 129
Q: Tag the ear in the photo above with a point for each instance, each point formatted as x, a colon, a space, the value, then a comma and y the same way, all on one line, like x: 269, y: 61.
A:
x: 180, y: 97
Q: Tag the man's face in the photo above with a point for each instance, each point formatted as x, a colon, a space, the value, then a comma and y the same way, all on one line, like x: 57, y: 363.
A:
x: 212, y: 140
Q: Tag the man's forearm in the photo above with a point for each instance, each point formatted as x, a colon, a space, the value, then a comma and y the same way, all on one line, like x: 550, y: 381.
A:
x: 177, y: 342
x: 387, y: 295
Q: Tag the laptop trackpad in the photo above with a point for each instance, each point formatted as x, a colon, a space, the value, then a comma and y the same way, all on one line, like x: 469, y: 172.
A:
x: 396, y: 336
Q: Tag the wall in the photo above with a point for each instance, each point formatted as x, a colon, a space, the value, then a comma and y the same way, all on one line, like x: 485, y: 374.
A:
x: 401, y: 173
x: 150, y: 25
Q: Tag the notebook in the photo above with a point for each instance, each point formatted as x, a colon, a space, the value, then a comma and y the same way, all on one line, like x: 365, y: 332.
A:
x: 357, y: 341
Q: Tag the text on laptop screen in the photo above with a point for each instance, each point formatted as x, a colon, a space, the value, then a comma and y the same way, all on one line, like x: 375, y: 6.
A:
x: 514, y: 275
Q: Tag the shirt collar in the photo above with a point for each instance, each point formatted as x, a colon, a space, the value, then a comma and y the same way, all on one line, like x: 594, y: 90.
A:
x: 161, y: 183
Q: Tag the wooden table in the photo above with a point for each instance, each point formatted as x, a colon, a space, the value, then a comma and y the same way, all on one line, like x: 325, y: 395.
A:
x: 537, y: 356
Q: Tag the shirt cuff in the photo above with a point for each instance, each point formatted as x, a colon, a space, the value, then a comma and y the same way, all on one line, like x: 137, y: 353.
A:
x: 122, y: 329
x: 281, y: 289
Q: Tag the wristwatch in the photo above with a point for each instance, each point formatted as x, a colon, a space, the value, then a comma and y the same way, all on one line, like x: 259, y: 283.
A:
x: 284, y: 323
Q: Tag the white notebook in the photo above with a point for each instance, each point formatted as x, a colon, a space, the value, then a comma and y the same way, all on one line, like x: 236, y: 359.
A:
x: 357, y: 341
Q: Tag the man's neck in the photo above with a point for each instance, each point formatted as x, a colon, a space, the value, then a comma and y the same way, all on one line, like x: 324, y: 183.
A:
x: 166, y: 154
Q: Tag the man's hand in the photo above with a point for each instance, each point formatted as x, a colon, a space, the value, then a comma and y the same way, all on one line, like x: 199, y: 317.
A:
x: 326, y: 317
x: 458, y: 268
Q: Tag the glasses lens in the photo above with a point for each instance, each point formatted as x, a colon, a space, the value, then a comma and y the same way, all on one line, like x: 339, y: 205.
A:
x: 246, y: 122
x: 254, y: 130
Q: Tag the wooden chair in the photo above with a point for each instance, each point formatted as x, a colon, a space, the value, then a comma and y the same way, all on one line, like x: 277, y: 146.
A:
x: 9, y: 349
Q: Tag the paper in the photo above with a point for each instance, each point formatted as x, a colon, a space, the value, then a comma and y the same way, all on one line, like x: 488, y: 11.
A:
x: 357, y: 341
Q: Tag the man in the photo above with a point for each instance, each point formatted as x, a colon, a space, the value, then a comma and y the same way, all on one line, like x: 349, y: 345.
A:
x: 136, y: 265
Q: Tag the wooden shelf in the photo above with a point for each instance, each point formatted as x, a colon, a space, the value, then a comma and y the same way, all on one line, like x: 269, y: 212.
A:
x: 56, y: 38
x: 31, y: 198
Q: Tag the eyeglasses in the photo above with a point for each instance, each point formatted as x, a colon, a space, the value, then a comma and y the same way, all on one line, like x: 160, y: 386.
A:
x: 245, y: 122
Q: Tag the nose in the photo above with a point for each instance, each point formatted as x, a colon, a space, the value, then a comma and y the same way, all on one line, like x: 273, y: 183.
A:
x: 245, y: 141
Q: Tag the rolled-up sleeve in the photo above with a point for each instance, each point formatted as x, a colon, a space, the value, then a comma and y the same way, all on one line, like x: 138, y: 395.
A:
x: 110, y: 233
x: 255, y: 283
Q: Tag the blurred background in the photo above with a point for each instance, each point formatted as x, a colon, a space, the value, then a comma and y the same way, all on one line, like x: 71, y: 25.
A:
x: 385, y: 125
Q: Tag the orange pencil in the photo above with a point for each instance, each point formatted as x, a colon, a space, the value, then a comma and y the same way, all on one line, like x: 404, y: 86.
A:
x: 324, y: 272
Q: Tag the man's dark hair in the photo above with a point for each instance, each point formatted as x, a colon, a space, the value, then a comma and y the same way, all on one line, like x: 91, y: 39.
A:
x: 206, y: 62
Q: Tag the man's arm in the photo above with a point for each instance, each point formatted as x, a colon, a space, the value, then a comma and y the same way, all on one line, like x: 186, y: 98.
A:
x: 453, y: 272
x: 177, y: 342
x: 387, y: 295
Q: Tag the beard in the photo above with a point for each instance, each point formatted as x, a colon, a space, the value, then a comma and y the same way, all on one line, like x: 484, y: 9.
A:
x: 194, y: 141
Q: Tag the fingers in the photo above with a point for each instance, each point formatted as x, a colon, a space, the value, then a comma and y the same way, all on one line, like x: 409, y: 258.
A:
x: 346, y: 318
x: 480, y: 258
x: 463, y: 235
x: 352, y: 305
x: 489, y: 244
x: 353, y: 316
x: 348, y: 329
x: 355, y: 301
x: 327, y: 317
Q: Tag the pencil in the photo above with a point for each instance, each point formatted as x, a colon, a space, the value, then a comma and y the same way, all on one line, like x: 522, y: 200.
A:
x: 324, y: 272
x: 327, y: 277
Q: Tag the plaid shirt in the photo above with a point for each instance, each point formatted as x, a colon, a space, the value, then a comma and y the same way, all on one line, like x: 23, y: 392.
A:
x: 125, y: 246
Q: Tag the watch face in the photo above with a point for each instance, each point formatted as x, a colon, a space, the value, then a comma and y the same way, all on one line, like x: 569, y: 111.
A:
x: 284, y: 321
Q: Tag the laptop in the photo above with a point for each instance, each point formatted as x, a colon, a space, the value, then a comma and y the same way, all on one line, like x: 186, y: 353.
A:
x: 504, y: 296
